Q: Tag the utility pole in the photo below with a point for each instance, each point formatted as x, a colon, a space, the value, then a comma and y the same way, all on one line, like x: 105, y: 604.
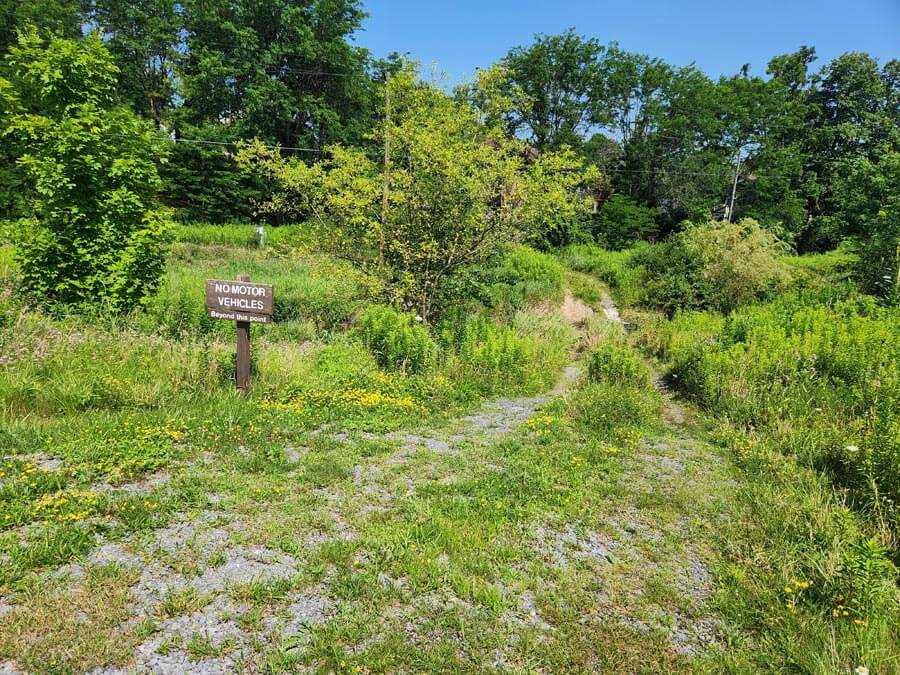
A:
x: 387, y: 166
x: 737, y: 169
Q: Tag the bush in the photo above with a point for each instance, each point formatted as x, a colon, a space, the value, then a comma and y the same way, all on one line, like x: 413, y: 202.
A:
x: 396, y: 339
x: 519, y: 276
x: 712, y: 265
x: 93, y: 238
x: 614, y: 364
x: 621, y: 221
x: 488, y: 352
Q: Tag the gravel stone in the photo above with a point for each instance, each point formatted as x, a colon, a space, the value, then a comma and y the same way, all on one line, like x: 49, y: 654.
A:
x: 562, y: 547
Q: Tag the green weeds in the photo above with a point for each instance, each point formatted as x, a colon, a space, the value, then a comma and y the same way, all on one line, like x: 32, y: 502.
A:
x: 805, y: 395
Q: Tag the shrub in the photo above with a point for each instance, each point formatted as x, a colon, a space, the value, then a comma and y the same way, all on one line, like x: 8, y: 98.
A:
x: 489, y: 352
x: 519, y: 276
x: 396, y: 339
x: 621, y: 221
x: 614, y: 364
x: 93, y: 238
x: 716, y: 265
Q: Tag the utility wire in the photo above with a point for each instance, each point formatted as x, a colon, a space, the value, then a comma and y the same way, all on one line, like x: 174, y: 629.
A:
x: 179, y: 139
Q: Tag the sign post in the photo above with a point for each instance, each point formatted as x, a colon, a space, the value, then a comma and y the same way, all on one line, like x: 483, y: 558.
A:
x: 245, y: 304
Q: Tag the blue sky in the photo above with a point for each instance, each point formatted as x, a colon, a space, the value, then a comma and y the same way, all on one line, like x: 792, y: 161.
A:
x: 719, y: 36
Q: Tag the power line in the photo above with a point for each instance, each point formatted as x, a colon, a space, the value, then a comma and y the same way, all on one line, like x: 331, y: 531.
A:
x: 178, y: 139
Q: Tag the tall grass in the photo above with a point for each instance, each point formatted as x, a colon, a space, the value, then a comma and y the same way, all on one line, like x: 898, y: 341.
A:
x: 312, y: 293
x: 520, y: 276
x: 807, y: 395
x: 482, y: 357
x: 824, y: 382
x: 613, y: 267
x: 236, y: 235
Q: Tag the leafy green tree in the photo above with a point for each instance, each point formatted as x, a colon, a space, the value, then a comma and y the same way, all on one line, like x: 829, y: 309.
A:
x: 93, y: 237
x: 143, y: 37
x: 457, y: 188
x: 560, y: 78
x: 61, y: 17
x: 852, y: 123
x: 58, y: 16
x: 282, y: 71
x: 675, y: 155
x: 202, y: 182
x: 621, y: 221
x: 870, y: 206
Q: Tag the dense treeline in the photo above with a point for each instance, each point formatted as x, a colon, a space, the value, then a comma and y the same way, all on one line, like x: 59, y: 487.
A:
x: 811, y: 153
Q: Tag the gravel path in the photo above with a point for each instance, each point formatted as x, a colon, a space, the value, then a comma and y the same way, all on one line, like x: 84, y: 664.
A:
x: 649, y: 535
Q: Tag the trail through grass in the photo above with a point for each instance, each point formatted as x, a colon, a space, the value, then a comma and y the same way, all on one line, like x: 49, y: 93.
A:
x: 549, y: 532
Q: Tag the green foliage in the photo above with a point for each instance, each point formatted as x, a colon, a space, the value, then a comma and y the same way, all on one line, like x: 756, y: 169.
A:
x: 283, y: 71
x: 718, y: 265
x: 483, y: 357
x: 795, y: 533
x: 311, y: 293
x: 610, y: 363
x: 557, y: 82
x: 398, y: 340
x: 93, y: 238
x: 804, y: 394
x: 621, y: 221
x: 556, y: 201
x: 822, y: 382
x: 870, y: 206
x: 201, y: 180
x: 491, y: 355
x: 676, y: 140
x: 66, y: 367
x: 57, y: 16
x: 606, y: 407
x: 457, y: 189
x: 518, y: 276
x: 143, y: 39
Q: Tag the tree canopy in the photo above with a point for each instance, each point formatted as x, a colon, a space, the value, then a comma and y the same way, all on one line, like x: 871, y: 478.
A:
x: 789, y: 149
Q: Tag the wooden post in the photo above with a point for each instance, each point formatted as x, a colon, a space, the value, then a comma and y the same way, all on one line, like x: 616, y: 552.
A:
x: 385, y: 184
x: 242, y: 367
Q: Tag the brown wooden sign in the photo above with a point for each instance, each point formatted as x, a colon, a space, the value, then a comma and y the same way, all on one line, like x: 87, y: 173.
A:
x: 239, y: 301
x: 244, y: 303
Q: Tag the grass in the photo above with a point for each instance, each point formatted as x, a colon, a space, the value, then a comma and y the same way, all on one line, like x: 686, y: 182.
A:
x: 613, y: 267
x: 347, y: 515
x: 803, y: 394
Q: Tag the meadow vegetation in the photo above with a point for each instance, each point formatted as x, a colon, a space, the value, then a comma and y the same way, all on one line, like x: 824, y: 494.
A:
x: 513, y: 412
